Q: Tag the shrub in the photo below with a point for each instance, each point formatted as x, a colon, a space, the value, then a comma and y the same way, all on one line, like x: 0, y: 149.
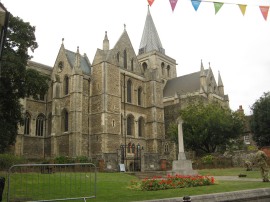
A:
x: 208, y: 159
x: 63, y: 160
x: 8, y: 160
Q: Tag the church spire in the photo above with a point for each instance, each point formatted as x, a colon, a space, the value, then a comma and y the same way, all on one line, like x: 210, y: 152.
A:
x: 220, y: 85
x: 150, y: 40
x: 106, y: 44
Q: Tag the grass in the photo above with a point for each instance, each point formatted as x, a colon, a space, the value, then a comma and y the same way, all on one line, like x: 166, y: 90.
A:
x: 114, y: 186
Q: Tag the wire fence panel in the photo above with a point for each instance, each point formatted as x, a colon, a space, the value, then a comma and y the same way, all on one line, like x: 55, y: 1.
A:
x: 51, y: 182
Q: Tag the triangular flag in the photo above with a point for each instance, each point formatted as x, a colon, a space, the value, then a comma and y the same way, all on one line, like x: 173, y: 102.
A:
x: 150, y: 2
x: 242, y: 8
x: 264, y: 10
x: 173, y: 4
x: 196, y: 4
x: 217, y: 5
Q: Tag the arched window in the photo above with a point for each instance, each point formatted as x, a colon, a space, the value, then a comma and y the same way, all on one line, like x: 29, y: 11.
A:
x: 27, y: 121
x: 129, y: 147
x: 139, y: 96
x: 40, y: 124
x: 133, y: 148
x: 130, y: 125
x: 129, y: 91
x: 162, y: 68
x: 125, y: 59
x: 64, y: 120
x: 66, y: 85
x: 144, y: 65
x: 141, y: 127
x: 132, y: 64
x: 168, y: 70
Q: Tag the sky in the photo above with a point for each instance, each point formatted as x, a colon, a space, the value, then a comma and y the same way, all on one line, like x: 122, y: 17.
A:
x: 237, y: 46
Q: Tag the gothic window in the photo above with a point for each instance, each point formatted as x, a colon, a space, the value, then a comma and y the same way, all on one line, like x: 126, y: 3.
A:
x: 132, y: 64
x: 64, y: 120
x: 141, y: 127
x: 144, y: 65
x: 130, y: 125
x: 139, y: 96
x: 162, y: 68
x: 66, y: 83
x: 168, y: 70
x: 125, y: 59
x: 27, y: 119
x: 40, y: 124
x: 129, y: 147
x: 133, y: 148
x: 129, y: 91
x: 42, y: 96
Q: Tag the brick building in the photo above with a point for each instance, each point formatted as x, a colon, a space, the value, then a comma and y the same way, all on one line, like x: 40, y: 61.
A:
x: 113, y: 109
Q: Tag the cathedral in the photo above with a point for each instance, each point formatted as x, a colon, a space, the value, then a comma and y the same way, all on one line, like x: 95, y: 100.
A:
x: 115, y: 110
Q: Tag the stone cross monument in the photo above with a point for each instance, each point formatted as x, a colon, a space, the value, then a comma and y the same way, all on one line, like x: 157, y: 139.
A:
x: 182, y: 166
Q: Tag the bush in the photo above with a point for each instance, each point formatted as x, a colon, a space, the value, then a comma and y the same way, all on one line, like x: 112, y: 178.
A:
x: 208, y: 159
x: 63, y: 160
x: 8, y: 160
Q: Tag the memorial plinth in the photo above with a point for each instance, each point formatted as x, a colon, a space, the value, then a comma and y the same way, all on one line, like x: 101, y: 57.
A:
x: 182, y: 166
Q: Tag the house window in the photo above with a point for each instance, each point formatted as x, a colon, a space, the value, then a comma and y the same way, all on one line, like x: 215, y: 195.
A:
x: 129, y: 90
x: 166, y: 148
x: 40, y: 123
x: 140, y: 96
x: 27, y: 119
x: 66, y: 83
x: 125, y: 59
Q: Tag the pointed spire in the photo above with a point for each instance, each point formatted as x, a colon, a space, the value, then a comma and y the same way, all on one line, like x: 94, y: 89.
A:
x: 220, y: 83
x: 106, y: 43
x: 77, y: 63
x: 150, y: 40
x: 202, y: 73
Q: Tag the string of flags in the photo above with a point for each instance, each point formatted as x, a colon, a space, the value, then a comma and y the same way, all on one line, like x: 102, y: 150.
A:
x: 217, y: 5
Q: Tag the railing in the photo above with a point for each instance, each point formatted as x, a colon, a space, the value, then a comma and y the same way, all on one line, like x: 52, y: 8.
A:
x: 51, y: 182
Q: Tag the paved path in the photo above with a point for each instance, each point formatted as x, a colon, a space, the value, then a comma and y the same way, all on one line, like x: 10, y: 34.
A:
x: 236, y: 178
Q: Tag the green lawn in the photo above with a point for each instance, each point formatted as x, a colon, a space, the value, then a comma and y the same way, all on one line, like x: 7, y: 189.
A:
x: 114, y: 186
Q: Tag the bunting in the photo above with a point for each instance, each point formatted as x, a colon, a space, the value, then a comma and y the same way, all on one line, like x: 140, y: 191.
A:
x: 173, y: 4
x: 195, y: 4
x: 217, y: 5
x: 150, y: 2
x: 264, y: 10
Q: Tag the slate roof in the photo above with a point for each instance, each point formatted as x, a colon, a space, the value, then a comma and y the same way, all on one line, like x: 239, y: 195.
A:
x: 85, y: 64
x: 183, y: 84
x: 150, y: 40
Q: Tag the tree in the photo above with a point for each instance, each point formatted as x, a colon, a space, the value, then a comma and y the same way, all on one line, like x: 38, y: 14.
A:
x: 17, y: 82
x: 260, y: 120
x: 207, y: 127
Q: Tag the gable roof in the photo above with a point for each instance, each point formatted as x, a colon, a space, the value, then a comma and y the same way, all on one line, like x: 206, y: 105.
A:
x: 150, y: 40
x: 183, y: 84
x: 85, y: 64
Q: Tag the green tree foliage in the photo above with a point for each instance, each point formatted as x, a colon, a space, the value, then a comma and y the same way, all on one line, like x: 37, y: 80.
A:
x: 207, y: 127
x: 260, y: 120
x: 17, y: 82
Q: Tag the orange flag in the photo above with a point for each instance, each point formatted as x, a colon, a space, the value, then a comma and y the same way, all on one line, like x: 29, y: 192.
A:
x: 150, y: 2
x: 264, y: 10
x: 242, y: 8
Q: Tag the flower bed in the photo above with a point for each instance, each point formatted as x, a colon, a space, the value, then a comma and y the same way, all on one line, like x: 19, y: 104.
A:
x: 172, y: 182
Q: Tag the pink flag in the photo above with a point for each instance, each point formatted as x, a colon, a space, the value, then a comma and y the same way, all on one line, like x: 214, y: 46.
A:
x: 150, y: 2
x: 173, y: 4
x: 264, y: 10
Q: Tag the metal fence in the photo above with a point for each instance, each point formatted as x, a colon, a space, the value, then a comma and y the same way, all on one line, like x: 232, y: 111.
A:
x: 51, y: 182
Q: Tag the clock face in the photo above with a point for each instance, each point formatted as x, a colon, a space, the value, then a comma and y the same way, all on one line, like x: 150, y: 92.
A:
x: 60, y: 66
